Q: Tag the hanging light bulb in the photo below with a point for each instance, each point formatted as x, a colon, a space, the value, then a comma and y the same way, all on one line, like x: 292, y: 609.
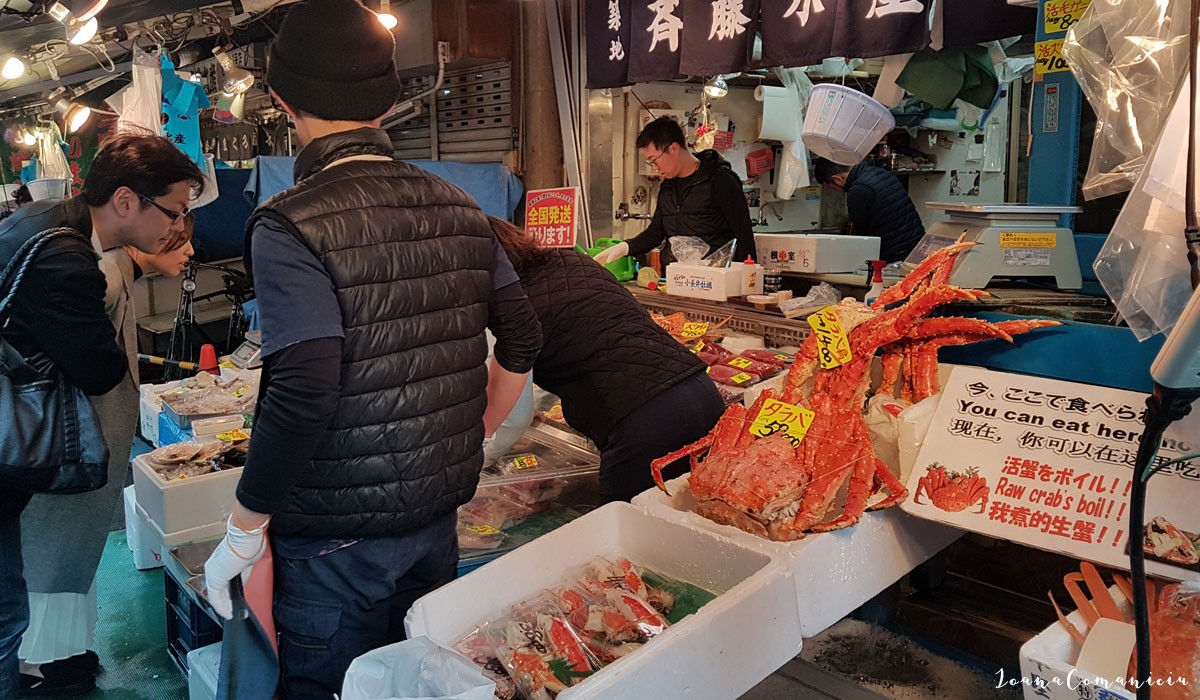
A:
x: 74, y: 115
x: 29, y: 138
x: 716, y: 87
x: 92, y: 10
x: 237, y: 80
x: 14, y: 67
x: 386, y: 18
x: 79, y: 31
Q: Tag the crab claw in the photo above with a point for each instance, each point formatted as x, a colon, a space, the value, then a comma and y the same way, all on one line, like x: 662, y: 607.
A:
x: 695, y: 448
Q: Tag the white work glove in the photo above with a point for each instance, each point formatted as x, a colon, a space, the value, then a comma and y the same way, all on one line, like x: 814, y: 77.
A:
x: 234, y: 556
x: 616, y: 252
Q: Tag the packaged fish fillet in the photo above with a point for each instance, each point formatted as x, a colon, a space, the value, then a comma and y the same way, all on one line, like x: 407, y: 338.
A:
x: 731, y: 376
x: 761, y: 370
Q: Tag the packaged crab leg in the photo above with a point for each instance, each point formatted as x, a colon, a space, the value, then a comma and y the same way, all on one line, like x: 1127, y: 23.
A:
x: 500, y: 513
x: 533, y: 492
x: 478, y: 648
x: 542, y: 653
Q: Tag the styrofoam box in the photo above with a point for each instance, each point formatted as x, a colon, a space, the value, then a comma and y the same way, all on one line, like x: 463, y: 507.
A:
x: 151, y: 544
x: 150, y: 406
x: 729, y: 645
x: 1051, y: 656
x: 132, y: 533
x: 702, y: 282
x: 204, y: 666
x: 834, y: 572
x: 815, y: 252
x: 185, y: 503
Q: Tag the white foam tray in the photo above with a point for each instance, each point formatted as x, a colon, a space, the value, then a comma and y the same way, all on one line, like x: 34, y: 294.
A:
x: 184, y: 503
x: 745, y: 634
x: 149, y: 543
x: 1048, y: 669
x: 834, y: 572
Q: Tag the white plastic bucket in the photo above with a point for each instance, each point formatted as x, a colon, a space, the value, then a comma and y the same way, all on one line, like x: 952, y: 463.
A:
x: 48, y: 188
x: 843, y: 124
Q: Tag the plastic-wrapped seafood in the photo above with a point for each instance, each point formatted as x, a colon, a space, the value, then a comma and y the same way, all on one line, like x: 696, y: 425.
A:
x: 495, y: 511
x: 478, y: 648
x: 533, y: 492
x: 190, y: 459
x: 541, y: 651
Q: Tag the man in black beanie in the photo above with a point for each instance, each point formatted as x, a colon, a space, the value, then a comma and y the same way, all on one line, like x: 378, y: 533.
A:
x: 375, y: 281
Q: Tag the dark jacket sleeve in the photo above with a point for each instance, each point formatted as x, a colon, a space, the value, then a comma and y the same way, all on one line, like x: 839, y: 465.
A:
x: 731, y: 202
x: 300, y: 393
x: 651, y: 238
x: 860, y: 199
x: 514, y: 323
x: 59, y: 309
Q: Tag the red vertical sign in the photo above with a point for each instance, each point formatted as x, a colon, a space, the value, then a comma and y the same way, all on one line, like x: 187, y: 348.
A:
x: 551, y: 216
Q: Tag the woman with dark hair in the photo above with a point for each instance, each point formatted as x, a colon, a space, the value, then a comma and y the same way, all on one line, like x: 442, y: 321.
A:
x: 624, y: 382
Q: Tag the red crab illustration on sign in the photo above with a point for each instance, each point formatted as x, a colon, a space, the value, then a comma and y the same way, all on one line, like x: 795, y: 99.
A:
x: 952, y: 491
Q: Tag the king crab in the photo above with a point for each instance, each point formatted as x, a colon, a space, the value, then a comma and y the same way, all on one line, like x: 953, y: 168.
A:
x: 774, y: 488
x: 952, y: 491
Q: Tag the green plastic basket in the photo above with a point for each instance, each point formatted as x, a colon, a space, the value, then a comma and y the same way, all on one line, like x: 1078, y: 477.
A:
x: 622, y: 268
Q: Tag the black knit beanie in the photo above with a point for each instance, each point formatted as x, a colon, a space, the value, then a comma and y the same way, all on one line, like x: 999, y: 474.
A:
x: 334, y: 60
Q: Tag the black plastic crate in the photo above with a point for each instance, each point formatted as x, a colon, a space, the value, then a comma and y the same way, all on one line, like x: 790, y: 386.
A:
x: 188, y: 626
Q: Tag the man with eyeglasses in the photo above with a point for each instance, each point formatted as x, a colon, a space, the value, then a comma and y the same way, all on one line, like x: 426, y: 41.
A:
x: 700, y: 196
x: 74, y: 306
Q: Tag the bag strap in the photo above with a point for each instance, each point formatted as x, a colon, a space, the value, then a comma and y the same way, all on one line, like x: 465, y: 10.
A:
x: 15, y: 271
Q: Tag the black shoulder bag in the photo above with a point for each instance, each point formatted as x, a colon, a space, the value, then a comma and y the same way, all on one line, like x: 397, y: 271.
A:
x: 50, y: 439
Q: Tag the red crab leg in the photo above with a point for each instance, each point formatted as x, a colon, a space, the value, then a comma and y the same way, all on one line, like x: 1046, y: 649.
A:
x: 829, y: 470
x: 692, y: 450
x: 893, y: 358
x: 860, y: 485
x: 1071, y: 629
x: 885, y: 478
x: 745, y: 437
x: 928, y: 266
x: 947, y: 325
x: 803, y: 367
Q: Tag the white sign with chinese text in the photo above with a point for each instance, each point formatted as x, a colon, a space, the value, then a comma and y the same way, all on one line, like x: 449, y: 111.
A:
x: 1049, y: 464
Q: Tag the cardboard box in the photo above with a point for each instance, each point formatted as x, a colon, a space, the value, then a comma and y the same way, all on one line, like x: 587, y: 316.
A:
x: 834, y: 572
x: 816, y: 253
x: 1048, y: 669
x: 721, y: 651
x: 703, y: 282
x: 174, y: 506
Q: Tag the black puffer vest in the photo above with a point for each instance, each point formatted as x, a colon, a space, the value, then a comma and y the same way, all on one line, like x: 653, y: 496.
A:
x: 410, y: 258
x: 601, y: 352
x: 893, y: 218
x: 689, y: 207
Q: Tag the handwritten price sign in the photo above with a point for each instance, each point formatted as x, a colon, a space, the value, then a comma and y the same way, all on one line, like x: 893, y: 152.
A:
x: 1061, y: 15
x: 779, y: 417
x: 1048, y: 57
x: 694, y: 330
x: 833, y: 348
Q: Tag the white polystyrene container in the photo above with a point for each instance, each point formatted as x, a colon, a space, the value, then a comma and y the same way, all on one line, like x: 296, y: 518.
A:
x: 843, y: 124
x: 834, y: 572
x: 1048, y: 669
x: 745, y: 634
x: 184, y: 504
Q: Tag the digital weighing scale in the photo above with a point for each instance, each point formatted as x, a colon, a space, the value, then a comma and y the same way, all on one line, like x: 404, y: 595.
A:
x: 1015, y: 240
x: 249, y: 354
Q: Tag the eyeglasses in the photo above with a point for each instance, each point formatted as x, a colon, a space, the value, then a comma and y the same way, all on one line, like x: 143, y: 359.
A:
x: 174, y: 216
x: 653, y: 162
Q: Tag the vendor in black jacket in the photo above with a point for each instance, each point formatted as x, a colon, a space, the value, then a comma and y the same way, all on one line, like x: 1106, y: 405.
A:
x: 624, y: 382
x: 700, y: 196
x: 877, y: 204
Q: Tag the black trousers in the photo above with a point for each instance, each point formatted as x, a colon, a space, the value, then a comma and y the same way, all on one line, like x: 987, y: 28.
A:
x: 679, y: 416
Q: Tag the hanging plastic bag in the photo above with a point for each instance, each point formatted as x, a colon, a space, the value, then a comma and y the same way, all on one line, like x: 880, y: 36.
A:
x: 415, y: 669
x: 52, y: 161
x: 140, y: 104
x: 1128, y: 56
x: 211, y: 190
x: 689, y: 250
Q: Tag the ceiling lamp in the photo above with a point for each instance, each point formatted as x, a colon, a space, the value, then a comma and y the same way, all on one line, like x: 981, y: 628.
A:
x: 79, y: 30
x: 29, y: 138
x: 716, y: 87
x: 91, y: 10
x: 386, y: 18
x: 237, y: 80
x: 13, y: 67
x: 74, y: 115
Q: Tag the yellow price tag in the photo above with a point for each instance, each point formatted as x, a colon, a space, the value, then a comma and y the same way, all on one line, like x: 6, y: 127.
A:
x: 740, y: 362
x: 1048, y: 58
x: 235, y: 435
x: 783, y: 358
x: 241, y: 391
x: 833, y: 347
x: 525, y: 462
x: 742, y: 378
x: 779, y: 417
x: 1061, y: 15
x: 228, y: 365
x: 1011, y: 239
x: 485, y: 530
x: 694, y: 330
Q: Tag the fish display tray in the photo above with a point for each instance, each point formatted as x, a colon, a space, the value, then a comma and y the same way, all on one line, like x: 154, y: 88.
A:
x: 703, y: 656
